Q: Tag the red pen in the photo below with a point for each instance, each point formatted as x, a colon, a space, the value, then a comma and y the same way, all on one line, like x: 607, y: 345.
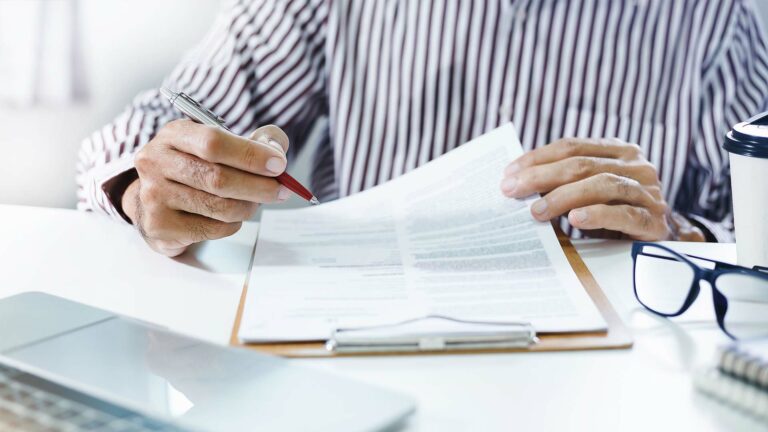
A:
x: 198, y: 113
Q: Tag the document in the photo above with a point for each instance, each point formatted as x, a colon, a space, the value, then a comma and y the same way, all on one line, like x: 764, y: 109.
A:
x: 439, y: 240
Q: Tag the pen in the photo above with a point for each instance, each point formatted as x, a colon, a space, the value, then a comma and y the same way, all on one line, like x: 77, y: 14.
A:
x: 198, y: 113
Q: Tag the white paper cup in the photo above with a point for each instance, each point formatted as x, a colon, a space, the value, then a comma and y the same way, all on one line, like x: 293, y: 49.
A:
x: 747, y: 145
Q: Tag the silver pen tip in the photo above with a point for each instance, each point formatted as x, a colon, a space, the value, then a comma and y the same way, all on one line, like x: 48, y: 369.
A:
x: 314, y: 200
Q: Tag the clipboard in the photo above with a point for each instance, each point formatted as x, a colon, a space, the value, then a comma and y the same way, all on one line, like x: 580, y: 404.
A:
x: 617, y: 335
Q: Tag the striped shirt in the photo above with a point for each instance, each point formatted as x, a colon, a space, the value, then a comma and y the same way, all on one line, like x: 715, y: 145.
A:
x: 404, y: 81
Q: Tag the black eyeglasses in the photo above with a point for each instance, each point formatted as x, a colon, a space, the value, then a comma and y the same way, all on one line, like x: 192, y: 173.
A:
x: 667, y: 283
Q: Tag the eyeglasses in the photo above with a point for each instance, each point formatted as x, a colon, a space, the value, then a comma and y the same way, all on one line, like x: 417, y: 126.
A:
x: 667, y: 283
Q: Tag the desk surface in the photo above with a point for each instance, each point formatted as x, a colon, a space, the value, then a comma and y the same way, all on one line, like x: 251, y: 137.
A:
x: 87, y: 258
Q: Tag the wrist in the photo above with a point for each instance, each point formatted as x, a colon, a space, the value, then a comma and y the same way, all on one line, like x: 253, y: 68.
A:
x: 130, y: 201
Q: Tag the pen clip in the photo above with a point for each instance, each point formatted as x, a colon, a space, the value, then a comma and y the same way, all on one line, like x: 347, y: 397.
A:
x: 197, y: 105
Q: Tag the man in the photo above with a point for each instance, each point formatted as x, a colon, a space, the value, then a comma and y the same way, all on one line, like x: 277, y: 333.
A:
x: 650, y: 87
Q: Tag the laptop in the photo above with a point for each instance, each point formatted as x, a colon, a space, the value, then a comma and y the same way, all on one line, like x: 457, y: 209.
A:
x: 71, y: 367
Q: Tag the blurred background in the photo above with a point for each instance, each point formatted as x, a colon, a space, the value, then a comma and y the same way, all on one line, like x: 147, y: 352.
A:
x: 69, y: 66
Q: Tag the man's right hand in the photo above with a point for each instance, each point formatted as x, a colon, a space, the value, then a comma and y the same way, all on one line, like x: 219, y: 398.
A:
x: 199, y: 182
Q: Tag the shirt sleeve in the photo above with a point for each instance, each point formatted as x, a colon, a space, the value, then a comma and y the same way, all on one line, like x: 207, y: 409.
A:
x: 734, y: 87
x: 261, y: 63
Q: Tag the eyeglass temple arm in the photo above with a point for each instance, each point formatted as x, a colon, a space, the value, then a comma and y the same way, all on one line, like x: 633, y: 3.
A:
x: 718, y: 264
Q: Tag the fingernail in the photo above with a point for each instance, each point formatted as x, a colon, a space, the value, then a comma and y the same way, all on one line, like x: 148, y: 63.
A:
x: 513, y: 168
x: 579, y: 215
x: 539, y: 207
x: 284, y: 193
x: 276, y: 165
x: 508, y: 185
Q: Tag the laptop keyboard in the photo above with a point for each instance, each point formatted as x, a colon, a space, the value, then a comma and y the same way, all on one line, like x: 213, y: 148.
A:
x: 29, y: 403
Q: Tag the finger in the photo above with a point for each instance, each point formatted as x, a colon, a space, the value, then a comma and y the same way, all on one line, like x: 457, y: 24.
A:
x: 599, y: 189
x: 220, y: 180
x: 216, y: 145
x: 273, y: 135
x: 198, y: 228
x: 546, y: 177
x: 570, y: 147
x: 637, y: 222
x: 185, y: 198
x: 170, y: 229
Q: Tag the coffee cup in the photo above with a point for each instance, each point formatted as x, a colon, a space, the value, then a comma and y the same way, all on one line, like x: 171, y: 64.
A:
x: 747, y: 145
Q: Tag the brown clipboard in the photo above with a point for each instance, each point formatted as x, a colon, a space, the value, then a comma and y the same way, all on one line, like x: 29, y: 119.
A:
x: 617, y: 335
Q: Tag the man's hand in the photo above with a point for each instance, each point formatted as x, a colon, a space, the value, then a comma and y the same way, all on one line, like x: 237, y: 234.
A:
x: 199, y: 182
x: 602, y: 184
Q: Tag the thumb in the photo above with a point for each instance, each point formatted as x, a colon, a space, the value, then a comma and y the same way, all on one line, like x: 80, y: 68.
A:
x: 271, y: 135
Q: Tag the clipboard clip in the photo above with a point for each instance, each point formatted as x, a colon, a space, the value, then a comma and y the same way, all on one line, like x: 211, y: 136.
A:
x: 432, y: 333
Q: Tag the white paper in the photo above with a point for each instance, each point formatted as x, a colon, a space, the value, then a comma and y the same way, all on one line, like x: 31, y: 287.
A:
x: 440, y: 240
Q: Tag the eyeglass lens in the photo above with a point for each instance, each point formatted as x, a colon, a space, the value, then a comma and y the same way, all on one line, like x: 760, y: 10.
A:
x: 663, y: 282
x: 747, y: 314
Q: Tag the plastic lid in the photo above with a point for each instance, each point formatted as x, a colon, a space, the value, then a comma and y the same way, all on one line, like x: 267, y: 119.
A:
x: 749, y: 138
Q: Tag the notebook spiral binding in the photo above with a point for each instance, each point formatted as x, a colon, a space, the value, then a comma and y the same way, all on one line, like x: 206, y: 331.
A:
x: 733, y: 392
x: 740, y: 380
x: 741, y: 365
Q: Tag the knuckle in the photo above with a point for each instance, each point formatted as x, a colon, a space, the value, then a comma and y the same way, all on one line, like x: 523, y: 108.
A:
x: 655, y: 192
x: 570, y: 146
x: 625, y: 187
x: 648, y: 166
x: 252, y: 157
x: 143, y: 160
x: 227, y: 210
x: 216, y: 177
x: 647, y: 172
x: 166, y: 244
x: 607, y: 178
x: 527, y: 179
x: 584, y: 166
x: 210, y: 143
x: 633, y: 150
x: 615, y: 141
x: 168, y: 129
x: 646, y: 221
x: 173, y: 129
x: 660, y: 207
x: 152, y: 227
x: 198, y: 170
x: 211, y: 205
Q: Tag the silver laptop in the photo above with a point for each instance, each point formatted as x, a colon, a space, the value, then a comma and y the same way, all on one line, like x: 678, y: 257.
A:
x: 67, y: 366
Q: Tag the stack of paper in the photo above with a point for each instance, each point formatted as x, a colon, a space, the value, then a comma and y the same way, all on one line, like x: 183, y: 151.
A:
x: 440, y: 240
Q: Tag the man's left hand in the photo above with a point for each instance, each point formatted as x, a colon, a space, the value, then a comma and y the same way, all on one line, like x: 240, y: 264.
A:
x: 602, y: 184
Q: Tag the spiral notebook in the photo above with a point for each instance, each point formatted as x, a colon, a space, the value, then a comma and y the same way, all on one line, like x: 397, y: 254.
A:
x: 740, y: 378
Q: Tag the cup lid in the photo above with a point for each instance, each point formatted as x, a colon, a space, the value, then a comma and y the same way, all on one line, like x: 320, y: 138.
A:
x: 749, y: 138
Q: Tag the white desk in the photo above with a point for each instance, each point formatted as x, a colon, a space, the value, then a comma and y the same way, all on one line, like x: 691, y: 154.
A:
x: 87, y: 258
